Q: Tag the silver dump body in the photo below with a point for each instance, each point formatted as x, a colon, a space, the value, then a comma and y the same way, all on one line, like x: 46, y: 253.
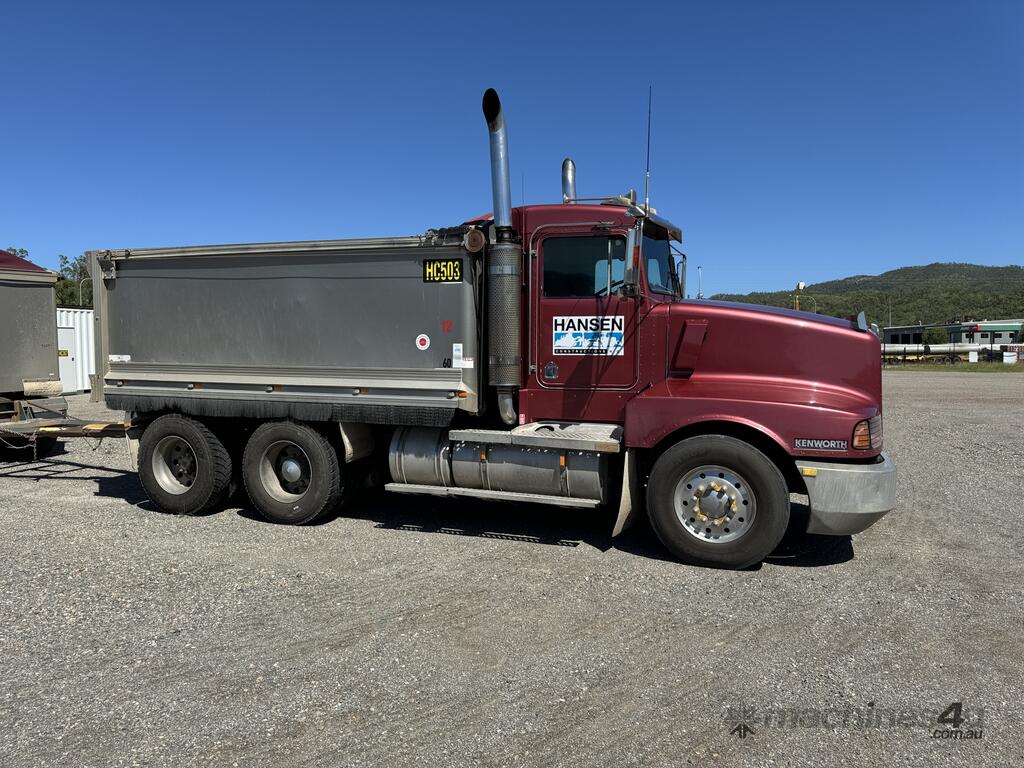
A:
x: 28, y: 329
x: 343, y: 330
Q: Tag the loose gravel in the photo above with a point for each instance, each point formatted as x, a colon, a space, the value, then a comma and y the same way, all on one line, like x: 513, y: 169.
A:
x: 410, y: 631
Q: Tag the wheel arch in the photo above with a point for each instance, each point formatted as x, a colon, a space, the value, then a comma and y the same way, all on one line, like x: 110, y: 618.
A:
x: 748, y: 433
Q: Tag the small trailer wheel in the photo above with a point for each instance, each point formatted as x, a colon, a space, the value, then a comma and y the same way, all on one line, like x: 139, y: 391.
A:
x: 45, y: 446
x: 183, y: 466
x: 718, y: 502
x: 21, y: 448
x: 291, y: 472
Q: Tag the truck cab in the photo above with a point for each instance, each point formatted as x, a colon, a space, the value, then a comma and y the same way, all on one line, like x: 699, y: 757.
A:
x: 612, y: 339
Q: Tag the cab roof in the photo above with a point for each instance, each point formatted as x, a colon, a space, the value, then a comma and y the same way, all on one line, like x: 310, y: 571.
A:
x: 528, y: 217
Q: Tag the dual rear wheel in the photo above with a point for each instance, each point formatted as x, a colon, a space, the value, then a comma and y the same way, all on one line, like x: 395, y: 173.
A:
x: 184, y: 467
x: 290, y: 470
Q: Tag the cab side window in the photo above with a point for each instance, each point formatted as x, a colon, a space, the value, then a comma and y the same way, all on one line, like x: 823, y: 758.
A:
x: 583, y: 267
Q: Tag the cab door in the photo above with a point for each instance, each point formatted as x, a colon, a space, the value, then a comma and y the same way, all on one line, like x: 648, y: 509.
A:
x: 584, y: 328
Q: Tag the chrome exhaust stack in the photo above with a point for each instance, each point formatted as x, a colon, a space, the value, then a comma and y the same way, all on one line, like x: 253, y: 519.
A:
x: 501, y: 184
x: 504, y: 264
x: 568, y: 180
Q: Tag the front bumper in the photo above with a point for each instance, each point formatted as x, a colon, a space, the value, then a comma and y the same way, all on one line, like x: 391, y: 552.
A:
x: 847, y: 498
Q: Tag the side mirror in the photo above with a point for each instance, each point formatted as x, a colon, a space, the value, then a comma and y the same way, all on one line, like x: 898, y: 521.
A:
x: 681, y: 271
x: 631, y: 280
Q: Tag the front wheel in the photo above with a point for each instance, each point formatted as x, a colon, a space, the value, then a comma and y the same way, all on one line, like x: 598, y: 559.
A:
x: 717, y: 501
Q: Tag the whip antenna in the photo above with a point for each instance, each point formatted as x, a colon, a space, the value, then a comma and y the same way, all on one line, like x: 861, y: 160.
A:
x: 647, y: 172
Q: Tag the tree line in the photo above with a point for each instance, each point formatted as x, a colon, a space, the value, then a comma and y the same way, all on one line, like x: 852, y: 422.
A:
x: 935, y: 293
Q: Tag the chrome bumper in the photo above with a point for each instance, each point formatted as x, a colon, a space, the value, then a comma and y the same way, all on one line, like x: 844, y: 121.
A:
x: 847, y: 498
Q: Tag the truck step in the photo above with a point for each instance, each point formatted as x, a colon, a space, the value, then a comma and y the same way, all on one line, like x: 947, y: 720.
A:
x: 529, y: 498
x: 598, y: 438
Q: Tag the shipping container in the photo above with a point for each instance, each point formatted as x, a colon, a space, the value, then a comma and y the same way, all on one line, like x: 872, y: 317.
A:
x: 76, y: 348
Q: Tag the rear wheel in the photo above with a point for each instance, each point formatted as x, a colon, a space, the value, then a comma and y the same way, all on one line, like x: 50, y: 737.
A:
x: 291, y: 473
x: 183, y: 466
x: 716, y: 501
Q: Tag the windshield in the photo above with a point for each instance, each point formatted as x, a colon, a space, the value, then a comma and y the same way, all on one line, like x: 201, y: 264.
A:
x: 661, y: 272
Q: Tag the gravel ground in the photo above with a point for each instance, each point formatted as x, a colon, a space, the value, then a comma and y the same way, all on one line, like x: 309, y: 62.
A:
x: 420, y: 632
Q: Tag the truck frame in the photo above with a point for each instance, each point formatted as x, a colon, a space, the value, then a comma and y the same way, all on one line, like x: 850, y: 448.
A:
x: 541, y: 354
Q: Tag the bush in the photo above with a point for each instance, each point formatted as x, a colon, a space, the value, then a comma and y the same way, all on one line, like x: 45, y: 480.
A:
x: 935, y: 336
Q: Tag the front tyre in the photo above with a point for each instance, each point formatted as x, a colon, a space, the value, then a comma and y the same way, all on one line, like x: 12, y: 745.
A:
x: 717, y: 501
x: 291, y: 472
x: 183, y: 466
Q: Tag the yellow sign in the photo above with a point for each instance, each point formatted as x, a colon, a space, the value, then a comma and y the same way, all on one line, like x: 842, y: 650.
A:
x: 62, y: 353
x: 442, y: 270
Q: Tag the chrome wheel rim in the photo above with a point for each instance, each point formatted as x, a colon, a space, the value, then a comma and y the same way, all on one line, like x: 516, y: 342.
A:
x: 285, y: 471
x: 174, y: 465
x: 714, y: 504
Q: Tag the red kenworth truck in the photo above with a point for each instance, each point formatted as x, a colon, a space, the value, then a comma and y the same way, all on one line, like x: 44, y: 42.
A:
x: 541, y: 354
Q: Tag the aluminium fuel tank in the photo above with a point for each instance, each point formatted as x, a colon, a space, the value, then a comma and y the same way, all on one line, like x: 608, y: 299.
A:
x: 424, y: 456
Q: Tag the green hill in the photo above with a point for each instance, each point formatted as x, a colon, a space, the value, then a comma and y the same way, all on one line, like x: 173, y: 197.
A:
x: 936, y: 293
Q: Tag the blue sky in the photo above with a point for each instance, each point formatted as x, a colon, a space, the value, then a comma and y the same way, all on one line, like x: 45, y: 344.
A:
x: 791, y: 140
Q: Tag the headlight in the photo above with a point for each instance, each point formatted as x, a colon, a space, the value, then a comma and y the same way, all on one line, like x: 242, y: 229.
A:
x: 868, y: 434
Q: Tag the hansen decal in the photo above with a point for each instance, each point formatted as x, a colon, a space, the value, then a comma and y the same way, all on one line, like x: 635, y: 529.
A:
x: 587, y: 335
x: 815, y: 444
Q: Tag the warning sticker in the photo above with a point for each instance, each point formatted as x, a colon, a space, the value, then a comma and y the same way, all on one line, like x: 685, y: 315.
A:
x: 119, y: 358
x: 588, y: 335
x: 458, y: 359
x: 422, y: 342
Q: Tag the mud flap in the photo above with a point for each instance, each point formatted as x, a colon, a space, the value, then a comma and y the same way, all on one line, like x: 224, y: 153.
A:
x: 630, y: 503
x: 132, y: 439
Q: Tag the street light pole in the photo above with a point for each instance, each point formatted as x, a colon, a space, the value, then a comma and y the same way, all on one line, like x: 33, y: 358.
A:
x: 81, y: 284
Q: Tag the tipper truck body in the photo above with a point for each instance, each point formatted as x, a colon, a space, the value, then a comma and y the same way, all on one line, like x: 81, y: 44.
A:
x: 28, y: 329
x: 543, y: 354
x: 29, y: 374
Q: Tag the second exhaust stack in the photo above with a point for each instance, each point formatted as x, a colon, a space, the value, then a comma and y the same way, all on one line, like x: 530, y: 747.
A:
x: 504, y: 262
x: 568, y: 180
